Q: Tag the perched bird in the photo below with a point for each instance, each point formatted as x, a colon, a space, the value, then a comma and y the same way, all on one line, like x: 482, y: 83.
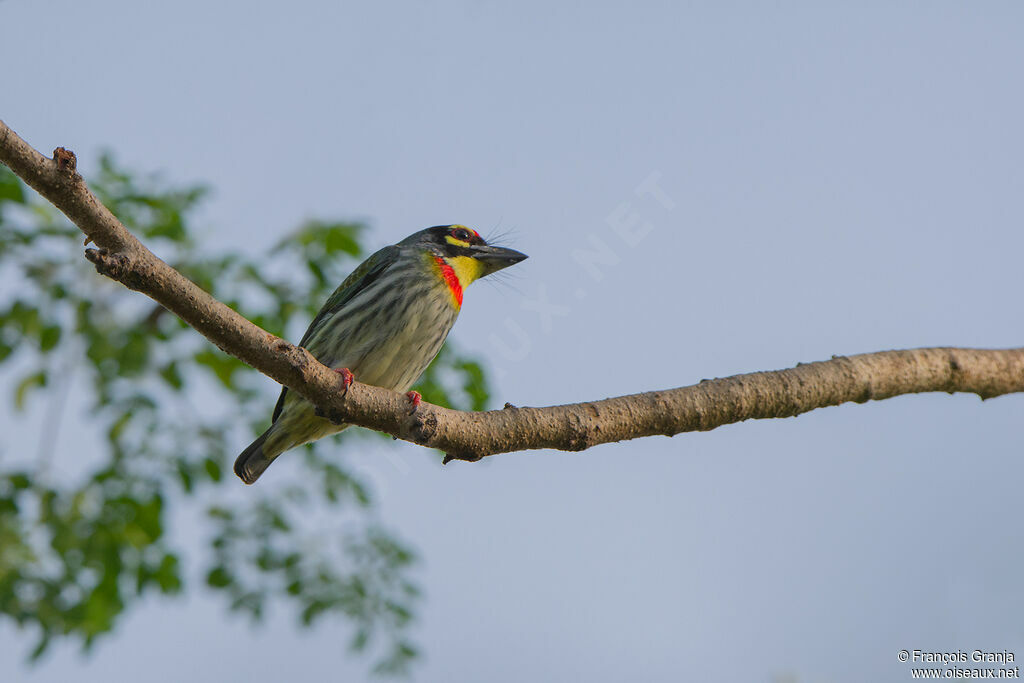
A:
x: 384, y: 325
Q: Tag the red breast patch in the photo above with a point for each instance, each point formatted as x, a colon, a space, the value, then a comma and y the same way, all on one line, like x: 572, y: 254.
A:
x: 451, y: 279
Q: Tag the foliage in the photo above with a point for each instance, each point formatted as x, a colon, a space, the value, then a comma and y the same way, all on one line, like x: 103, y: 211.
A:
x: 84, y: 534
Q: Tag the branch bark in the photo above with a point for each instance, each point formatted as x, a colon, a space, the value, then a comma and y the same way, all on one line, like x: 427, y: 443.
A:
x: 471, y: 436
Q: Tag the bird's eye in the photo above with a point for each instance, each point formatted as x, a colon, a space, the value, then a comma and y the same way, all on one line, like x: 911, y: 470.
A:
x: 461, y: 234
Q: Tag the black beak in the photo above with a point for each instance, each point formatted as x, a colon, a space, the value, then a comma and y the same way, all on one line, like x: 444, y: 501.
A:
x: 496, y: 258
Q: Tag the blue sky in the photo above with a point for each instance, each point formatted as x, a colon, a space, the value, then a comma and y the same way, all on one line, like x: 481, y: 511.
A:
x: 836, y: 179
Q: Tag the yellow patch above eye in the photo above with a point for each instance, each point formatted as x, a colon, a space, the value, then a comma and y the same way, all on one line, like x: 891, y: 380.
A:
x: 458, y: 243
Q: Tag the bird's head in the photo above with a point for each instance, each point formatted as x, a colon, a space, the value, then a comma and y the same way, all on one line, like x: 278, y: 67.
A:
x: 461, y: 255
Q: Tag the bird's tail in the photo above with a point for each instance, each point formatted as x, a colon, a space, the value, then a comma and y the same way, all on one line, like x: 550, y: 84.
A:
x: 253, y: 461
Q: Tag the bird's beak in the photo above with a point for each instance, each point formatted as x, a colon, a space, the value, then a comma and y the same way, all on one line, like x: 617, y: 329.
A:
x: 495, y: 258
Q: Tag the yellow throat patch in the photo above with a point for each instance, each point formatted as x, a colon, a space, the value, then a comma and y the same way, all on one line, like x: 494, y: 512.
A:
x: 457, y: 272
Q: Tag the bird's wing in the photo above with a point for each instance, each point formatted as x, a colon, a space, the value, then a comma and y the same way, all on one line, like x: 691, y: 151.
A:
x: 361, y: 278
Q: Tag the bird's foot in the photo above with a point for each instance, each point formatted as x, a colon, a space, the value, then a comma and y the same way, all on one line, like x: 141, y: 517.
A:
x: 346, y: 377
x: 415, y: 399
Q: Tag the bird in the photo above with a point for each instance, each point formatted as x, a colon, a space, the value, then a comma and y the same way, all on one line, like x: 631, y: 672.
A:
x: 383, y: 325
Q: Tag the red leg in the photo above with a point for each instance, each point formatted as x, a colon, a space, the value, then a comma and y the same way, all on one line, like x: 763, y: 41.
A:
x: 415, y: 399
x: 346, y: 376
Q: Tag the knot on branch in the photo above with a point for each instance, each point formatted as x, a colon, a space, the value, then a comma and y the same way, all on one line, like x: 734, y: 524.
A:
x: 65, y: 159
x: 422, y: 426
x: 956, y: 373
x: 298, y: 356
x: 465, y: 457
x: 116, y: 266
x: 333, y: 416
x: 577, y: 434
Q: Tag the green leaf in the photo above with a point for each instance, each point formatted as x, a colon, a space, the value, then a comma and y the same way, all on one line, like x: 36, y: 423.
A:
x: 32, y: 381
x: 184, y: 472
x: 222, y: 513
x: 117, y: 429
x: 11, y: 188
x: 19, y: 480
x: 219, y: 578
x: 149, y: 518
x: 313, y: 610
x: 331, y: 238
x: 41, y: 647
x: 168, y: 575
x: 474, y: 383
x: 49, y: 336
x: 172, y: 375
x: 220, y: 364
x: 340, y: 237
x: 213, y: 469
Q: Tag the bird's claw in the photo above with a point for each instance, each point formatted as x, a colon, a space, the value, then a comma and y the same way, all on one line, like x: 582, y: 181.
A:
x: 415, y: 399
x: 346, y: 377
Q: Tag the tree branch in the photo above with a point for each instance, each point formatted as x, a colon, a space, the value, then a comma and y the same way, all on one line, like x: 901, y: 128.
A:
x: 471, y: 436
